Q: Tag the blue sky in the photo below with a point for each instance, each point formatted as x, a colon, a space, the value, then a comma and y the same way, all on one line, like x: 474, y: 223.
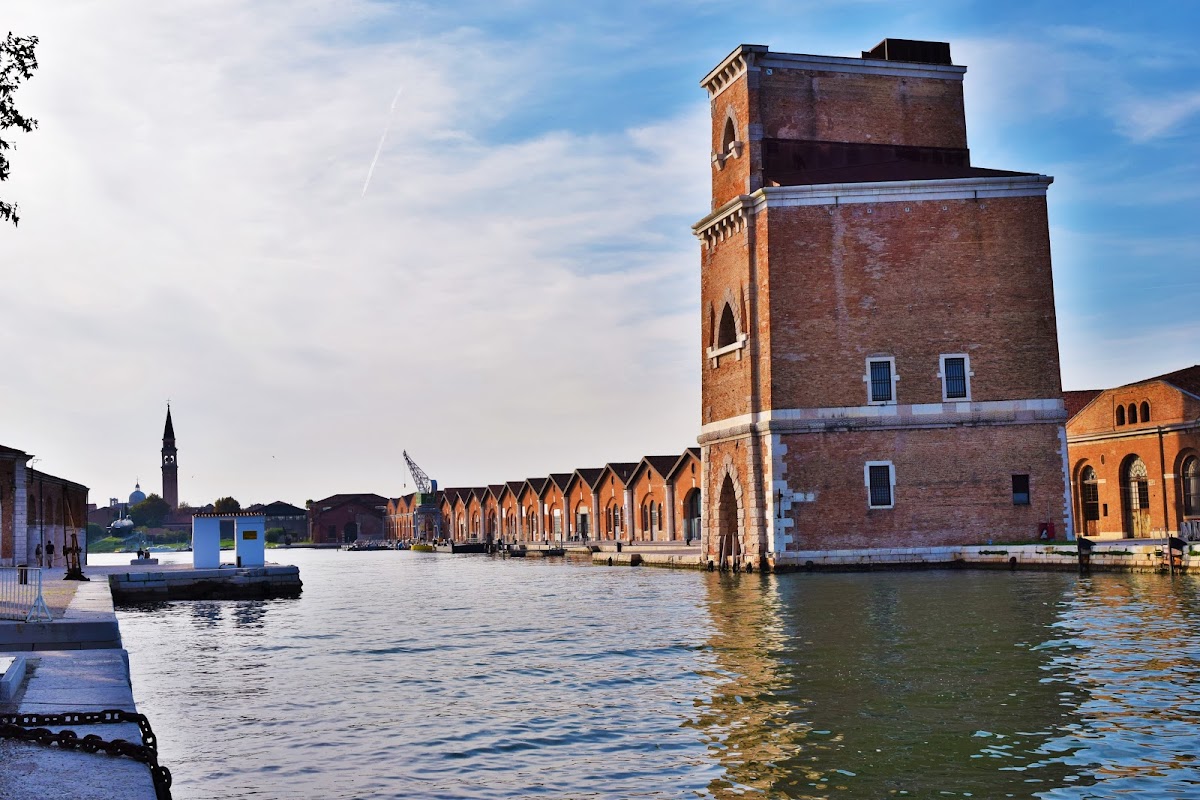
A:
x: 515, y: 292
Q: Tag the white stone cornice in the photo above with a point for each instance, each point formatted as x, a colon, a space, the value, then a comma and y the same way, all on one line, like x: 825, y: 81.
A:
x: 833, y: 194
x: 922, y: 415
x: 726, y: 221
x: 861, y: 66
x: 731, y: 68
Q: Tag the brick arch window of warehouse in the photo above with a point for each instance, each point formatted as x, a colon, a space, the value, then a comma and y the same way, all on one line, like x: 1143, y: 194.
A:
x: 1190, y: 479
x: 1132, y: 414
x: 582, y: 528
x: 1120, y: 415
x: 1135, y: 496
x: 1089, y: 494
x: 1145, y: 411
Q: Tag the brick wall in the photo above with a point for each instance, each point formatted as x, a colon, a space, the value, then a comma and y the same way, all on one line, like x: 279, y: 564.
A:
x: 953, y: 486
x: 911, y: 280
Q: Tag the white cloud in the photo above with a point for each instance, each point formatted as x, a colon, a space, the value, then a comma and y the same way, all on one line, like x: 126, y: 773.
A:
x: 194, y: 227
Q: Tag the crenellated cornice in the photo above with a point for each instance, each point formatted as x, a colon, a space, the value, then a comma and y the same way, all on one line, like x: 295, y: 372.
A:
x: 726, y: 221
x: 732, y: 67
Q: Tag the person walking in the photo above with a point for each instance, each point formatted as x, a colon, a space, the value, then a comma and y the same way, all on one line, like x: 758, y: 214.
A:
x: 50, y: 554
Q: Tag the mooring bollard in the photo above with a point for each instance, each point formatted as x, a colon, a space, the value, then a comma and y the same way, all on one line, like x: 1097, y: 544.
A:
x: 1085, y: 546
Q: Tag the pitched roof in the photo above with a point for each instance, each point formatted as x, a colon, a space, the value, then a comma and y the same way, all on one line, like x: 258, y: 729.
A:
x: 687, y: 455
x: 660, y: 464
x: 169, y: 429
x: 537, y: 484
x: 1187, y: 379
x: 559, y: 479
x: 281, y: 509
x: 366, y: 498
x: 1075, y: 400
x: 590, y: 475
x: 622, y: 469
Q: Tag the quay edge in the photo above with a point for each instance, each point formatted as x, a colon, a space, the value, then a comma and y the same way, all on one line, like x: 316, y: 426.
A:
x: 226, y: 583
x: 1114, y: 556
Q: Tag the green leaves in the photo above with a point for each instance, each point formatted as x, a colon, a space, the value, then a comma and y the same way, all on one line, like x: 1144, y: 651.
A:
x: 18, y: 60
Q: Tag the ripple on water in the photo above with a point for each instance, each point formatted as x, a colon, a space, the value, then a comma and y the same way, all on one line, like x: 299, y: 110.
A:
x: 403, y: 675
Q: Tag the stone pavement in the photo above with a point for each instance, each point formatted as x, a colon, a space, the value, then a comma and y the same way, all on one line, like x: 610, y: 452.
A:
x: 90, y: 677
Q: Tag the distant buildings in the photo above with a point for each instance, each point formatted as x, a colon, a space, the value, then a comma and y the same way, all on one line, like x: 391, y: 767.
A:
x: 1135, y: 457
x: 37, y: 512
x: 656, y: 499
x: 345, y: 518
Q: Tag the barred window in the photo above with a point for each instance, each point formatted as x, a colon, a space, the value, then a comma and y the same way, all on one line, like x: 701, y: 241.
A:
x: 955, y: 377
x: 879, y: 484
x: 881, y: 381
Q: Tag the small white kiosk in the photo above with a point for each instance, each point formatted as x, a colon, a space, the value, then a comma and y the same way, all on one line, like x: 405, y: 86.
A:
x: 248, y: 531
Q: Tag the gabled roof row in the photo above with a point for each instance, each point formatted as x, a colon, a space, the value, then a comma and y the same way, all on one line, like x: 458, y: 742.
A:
x: 624, y: 471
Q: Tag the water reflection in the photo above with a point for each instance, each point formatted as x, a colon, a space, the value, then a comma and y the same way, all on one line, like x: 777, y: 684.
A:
x: 1134, y: 653
x: 880, y: 685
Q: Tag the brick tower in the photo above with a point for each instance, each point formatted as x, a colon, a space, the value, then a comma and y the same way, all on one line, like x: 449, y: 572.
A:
x: 880, y: 356
x: 170, y: 466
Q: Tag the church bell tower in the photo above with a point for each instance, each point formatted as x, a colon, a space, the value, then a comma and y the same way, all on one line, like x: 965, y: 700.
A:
x: 170, y: 467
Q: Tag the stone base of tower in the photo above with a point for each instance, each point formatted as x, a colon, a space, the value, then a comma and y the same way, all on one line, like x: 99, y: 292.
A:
x: 768, y: 495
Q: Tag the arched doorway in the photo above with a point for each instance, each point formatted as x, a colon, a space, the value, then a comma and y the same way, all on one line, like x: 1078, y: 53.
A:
x: 1135, y: 497
x: 583, y: 527
x: 350, y: 532
x: 1089, y: 501
x: 691, y: 516
x: 729, y: 548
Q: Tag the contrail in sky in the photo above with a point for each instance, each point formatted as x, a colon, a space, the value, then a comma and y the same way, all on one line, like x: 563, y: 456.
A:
x: 382, y: 139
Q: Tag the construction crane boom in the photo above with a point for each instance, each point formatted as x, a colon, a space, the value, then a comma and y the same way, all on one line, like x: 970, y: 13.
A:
x: 424, y: 484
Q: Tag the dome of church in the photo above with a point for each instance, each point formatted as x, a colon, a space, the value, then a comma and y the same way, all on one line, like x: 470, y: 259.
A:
x: 137, y: 495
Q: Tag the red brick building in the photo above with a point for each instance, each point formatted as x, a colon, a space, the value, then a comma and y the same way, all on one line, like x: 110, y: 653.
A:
x: 1135, y: 458
x: 879, y: 345
x: 345, y: 518
x: 38, y: 510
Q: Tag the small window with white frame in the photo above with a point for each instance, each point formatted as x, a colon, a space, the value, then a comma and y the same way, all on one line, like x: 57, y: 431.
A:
x: 881, y: 380
x: 956, y: 377
x: 880, y: 478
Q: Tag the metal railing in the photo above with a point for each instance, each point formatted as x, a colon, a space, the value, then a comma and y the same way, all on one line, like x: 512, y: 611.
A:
x: 21, y: 595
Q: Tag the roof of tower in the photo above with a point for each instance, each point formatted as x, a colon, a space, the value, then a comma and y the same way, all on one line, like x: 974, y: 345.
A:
x: 169, y: 429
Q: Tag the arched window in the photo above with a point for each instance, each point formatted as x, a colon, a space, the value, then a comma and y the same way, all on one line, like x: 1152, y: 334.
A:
x: 1145, y: 411
x: 1135, y: 495
x: 1090, y: 492
x: 1132, y: 414
x: 727, y: 333
x: 729, y: 136
x: 1120, y: 415
x: 1190, y: 477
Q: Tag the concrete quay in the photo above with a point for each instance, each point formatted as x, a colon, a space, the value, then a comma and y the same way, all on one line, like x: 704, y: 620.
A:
x: 179, y: 582
x: 74, y: 663
x: 1118, y: 555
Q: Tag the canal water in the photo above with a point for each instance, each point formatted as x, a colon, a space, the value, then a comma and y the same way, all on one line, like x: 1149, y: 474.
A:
x: 429, y: 676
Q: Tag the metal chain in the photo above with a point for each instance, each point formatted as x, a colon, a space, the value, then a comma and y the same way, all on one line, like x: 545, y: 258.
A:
x: 33, y: 728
